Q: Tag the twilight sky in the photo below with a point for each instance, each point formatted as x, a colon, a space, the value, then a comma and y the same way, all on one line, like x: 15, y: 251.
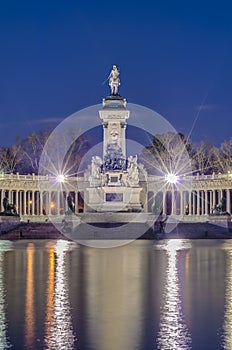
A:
x: 175, y: 57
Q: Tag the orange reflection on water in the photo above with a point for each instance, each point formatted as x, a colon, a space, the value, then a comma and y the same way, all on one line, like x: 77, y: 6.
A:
x: 187, y: 263
x: 29, y: 304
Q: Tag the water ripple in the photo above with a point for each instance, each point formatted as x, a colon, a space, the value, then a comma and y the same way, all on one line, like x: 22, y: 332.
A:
x: 4, y: 341
x: 59, y: 334
x: 227, y: 324
x: 173, y: 332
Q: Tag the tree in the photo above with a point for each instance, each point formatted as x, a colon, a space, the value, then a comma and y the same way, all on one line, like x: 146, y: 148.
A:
x: 224, y: 158
x: 10, y: 158
x: 168, y: 153
x: 31, y: 150
x: 204, y: 157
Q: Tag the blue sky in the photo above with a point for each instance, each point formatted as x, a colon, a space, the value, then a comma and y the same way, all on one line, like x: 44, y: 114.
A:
x: 175, y: 57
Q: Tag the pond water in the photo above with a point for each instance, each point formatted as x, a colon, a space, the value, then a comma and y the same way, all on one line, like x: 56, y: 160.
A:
x: 170, y: 294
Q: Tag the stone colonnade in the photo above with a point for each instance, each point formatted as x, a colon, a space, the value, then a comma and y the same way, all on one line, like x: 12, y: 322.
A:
x: 30, y: 202
x: 197, y: 202
x: 191, y: 195
x: 41, y: 195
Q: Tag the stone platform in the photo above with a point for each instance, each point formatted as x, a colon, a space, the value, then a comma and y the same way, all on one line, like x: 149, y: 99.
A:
x: 8, y: 223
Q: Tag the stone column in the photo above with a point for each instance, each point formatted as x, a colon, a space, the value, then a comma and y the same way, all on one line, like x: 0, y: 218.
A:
x: 65, y: 201
x: 206, y: 203
x: 17, y: 200
x: 194, y: 202
x: 105, y: 127
x: 228, y: 201
x: 1, y: 194
x: 214, y: 198
x: 190, y: 203
x: 198, y: 202
x: 49, y: 203
x: 221, y: 195
x: 40, y: 203
x: 33, y: 203
x: 123, y: 138
x: 164, y: 203
x: 76, y: 203
x: 202, y: 206
x: 58, y: 203
x: 20, y: 202
x: 182, y: 202
x: 25, y: 202
x: 185, y: 194
x: 173, y: 201
x: 210, y: 201
x: 29, y: 202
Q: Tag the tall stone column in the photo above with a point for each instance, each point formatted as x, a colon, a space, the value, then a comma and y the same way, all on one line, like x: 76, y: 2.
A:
x: 49, y: 203
x: 28, y: 200
x: 40, y: 203
x: 210, y: 201
x: 123, y: 139
x: 186, y: 201
x: 202, y: 203
x: 190, y: 203
x: 206, y: 203
x: 114, y: 116
x: 17, y: 200
x: 76, y: 202
x: 104, y: 138
x: 182, y: 202
x: 214, y: 198
x: 194, y: 202
x: 33, y: 203
x: 228, y: 209
x: 221, y: 194
x: 58, y: 203
x: 198, y: 202
x: 65, y: 201
x: 173, y: 203
x: 164, y: 203
x: 2, y: 197
x: 20, y: 202
x: 25, y: 202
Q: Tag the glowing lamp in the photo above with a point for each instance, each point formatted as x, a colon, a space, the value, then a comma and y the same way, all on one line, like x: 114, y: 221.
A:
x: 171, y: 178
x: 60, y: 178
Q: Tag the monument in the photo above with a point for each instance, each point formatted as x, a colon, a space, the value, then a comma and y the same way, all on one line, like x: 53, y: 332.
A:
x: 114, y: 178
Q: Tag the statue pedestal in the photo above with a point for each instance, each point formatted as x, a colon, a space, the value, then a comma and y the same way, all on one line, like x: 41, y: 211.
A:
x: 112, y: 199
x: 113, y: 181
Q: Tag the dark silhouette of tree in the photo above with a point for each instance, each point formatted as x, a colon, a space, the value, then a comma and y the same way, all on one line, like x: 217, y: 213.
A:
x: 10, y: 158
x: 168, y: 153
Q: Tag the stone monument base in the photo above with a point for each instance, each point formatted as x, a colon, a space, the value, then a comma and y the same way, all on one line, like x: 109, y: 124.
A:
x: 114, y: 199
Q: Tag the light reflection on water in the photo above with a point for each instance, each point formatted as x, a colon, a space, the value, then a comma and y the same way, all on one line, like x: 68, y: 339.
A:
x: 147, y: 295
x: 4, y: 341
x: 227, y: 324
x: 115, y: 287
x: 59, y: 334
x: 29, y: 303
x: 173, y: 333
